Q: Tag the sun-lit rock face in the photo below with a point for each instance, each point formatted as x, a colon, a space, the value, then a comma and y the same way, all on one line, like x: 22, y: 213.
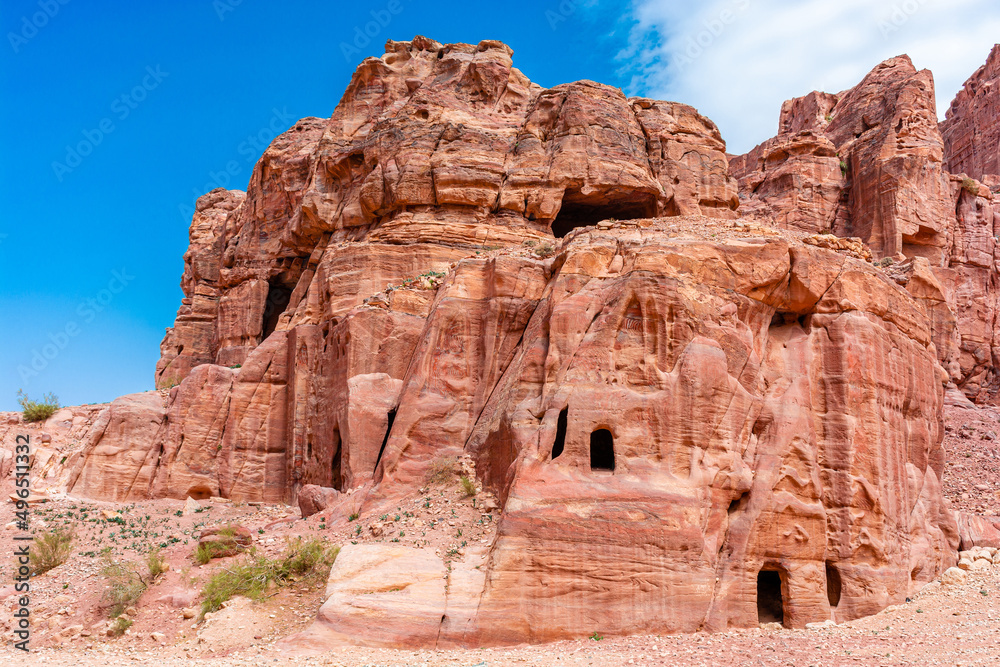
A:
x: 689, y: 422
x: 872, y: 163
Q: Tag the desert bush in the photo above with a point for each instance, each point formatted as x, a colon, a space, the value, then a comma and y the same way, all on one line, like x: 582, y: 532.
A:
x: 544, y: 250
x: 36, y: 411
x: 50, y: 550
x: 970, y: 186
x: 468, y: 486
x: 125, y: 585
x: 442, y: 469
x: 155, y: 564
x: 302, y: 560
x: 226, y: 541
x: 120, y: 625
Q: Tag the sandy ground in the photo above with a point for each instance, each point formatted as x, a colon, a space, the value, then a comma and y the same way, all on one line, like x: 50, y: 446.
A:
x: 951, y: 625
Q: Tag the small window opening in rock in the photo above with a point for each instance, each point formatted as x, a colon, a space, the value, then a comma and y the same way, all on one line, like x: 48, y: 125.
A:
x: 833, y: 584
x: 391, y: 417
x: 561, y: 425
x: 309, y: 449
x: 770, y: 605
x: 278, y: 297
x: 336, y: 479
x: 602, y: 450
x: 579, y: 210
x: 199, y: 492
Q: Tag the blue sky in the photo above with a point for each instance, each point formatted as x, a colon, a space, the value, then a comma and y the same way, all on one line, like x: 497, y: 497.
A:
x: 117, y: 115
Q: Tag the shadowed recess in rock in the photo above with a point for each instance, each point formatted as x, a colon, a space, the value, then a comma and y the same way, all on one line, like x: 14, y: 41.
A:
x: 833, y: 584
x: 560, y: 442
x: 388, y: 429
x: 277, y: 299
x: 770, y: 605
x: 602, y: 450
x: 579, y: 210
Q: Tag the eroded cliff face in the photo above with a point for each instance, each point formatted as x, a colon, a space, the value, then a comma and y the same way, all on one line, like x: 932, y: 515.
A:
x: 871, y: 162
x: 970, y: 129
x: 690, y: 421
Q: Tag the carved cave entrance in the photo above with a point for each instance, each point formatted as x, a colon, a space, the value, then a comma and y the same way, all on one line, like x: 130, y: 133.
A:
x: 278, y: 296
x: 580, y: 210
x: 602, y: 450
x: 199, y: 492
x: 833, y: 584
x: 561, y: 425
x: 770, y: 604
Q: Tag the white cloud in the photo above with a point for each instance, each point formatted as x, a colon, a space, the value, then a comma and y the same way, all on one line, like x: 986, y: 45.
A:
x: 738, y: 60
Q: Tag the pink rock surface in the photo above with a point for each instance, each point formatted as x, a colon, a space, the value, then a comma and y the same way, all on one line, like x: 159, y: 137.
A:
x: 971, y: 129
x: 666, y: 403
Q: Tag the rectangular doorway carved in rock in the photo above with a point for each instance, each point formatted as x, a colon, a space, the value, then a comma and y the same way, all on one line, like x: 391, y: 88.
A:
x: 770, y: 604
x: 602, y: 450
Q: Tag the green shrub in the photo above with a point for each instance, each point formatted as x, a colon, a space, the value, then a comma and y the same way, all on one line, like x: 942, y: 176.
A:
x: 843, y: 168
x: 125, y: 585
x: 544, y: 250
x: 303, y: 560
x: 155, y: 563
x: 50, y: 550
x: 468, y: 486
x: 120, y: 625
x: 35, y: 411
x: 169, y: 383
x: 206, y: 551
x: 970, y: 186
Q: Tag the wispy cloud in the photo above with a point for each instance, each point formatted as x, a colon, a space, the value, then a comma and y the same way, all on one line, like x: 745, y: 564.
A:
x: 738, y: 60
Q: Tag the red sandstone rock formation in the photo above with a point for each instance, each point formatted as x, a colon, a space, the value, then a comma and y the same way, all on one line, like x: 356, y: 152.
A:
x: 892, y: 191
x: 681, y: 417
x: 970, y: 129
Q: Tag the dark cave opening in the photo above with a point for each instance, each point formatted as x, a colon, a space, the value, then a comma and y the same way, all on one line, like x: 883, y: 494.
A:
x: 278, y: 296
x: 833, y: 584
x: 579, y: 210
x: 770, y: 605
x: 602, y: 450
x: 336, y: 476
x: 561, y: 425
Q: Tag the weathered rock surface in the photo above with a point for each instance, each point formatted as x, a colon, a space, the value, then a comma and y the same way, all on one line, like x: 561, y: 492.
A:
x: 970, y: 129
x: 689, y: 422
x: 870, y: 163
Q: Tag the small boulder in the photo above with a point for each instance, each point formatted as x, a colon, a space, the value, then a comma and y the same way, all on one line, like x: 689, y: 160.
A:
x: 953, y: 576
x: 313, y: 498
x: 191, y: 506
